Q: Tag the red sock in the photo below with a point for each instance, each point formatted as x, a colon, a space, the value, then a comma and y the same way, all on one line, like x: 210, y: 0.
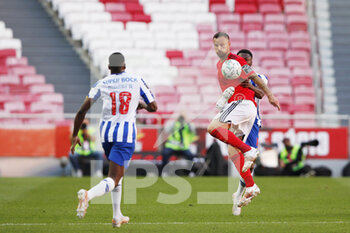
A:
x: 228, y: 137
x: 238, y: 160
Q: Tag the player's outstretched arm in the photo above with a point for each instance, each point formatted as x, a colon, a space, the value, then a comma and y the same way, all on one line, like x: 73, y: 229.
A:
x: 78, y: 120
x: 272, y: 99
x: 151, y: 107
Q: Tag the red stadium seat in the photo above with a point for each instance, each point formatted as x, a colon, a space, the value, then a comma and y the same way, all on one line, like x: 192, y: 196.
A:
x: 281, y: 73
x: 298, y: 64
x: 7, y: 53
x: 272, y: 63
x: 296, y: 23
x: 270, y: 8
x: 305, y: 99
x: 278, y: 81
x: 56, y: 98
x: 15, y: 107
x: 244, y: 8
x: 43, y: 107
x: 302, y: 73
x: 277, y: 36
x: 133, y: 7
x: 14, y: 61
x: 141, y: 18
x: 294, y: 2
x: 294, y: 9
x: 285, y: 90
x: 256, y: 45
x: 122, y: 17
x: 302, y: 36
x: 41, y: 88
x: 180, y: 62
x: 304, y: 90
x: 114, y: 7
x: 229, y: 27
x: 270, y: 55
x: 302, y: 108
x: 297, y: 55
x: 219, y: 8
x: 9, y: 80
x: 279, y: 45
x: 174, y: 53
x: 23, y: 70
x: 228, y: 18
x: 299, y: 45
x: 268, y: 1
x: 252, y: 22
x: 307, y: 81
x: 274, y: 18
x: 270, y: 28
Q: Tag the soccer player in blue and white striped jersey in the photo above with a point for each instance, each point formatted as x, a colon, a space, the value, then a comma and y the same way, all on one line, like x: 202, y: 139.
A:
x: 252, y: 139
x: 121, y: 93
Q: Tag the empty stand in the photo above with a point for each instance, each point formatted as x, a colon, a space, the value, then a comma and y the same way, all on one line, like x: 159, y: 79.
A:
x: 46, y: 49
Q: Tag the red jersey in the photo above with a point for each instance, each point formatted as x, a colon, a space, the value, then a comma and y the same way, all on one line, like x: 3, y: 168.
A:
x: 240, y: 92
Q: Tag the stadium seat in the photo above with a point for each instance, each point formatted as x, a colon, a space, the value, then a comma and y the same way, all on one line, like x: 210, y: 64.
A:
x: 219, y: 8
x: 299, y: 45
x: 294, y: 9
x: 23, y: 70
x: 269, y: 8
x: 302, y: 73
x: 279, y: 45
x: 115, y: 7
x: 14, y: 61
x: 296, y: 23
x: 274, y: 18
x: 272, y: 27
x: 297, y: 81
x: 252, y: 22
x: 272, y: 63
x: 41, y: 88
x: 244, y: 8
x: 31, y: 79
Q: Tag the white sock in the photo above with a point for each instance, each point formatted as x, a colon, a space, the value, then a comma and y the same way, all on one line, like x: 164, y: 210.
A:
x: 240, y: 187
x: 105, y: 186
x: 116, y: 200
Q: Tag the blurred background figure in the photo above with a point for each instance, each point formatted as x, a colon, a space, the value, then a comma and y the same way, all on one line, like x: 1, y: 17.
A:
x: 292, y: 159
x: 181, y: 135
x: 87, y: 150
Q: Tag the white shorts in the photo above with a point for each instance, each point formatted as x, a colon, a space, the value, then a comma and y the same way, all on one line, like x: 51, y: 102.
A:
x: 241, y: 114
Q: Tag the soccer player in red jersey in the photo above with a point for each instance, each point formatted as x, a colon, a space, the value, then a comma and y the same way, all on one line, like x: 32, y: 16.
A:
x: 238, y: 112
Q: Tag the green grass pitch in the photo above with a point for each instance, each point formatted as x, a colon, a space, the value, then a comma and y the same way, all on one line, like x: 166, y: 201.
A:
x: 285, y: 205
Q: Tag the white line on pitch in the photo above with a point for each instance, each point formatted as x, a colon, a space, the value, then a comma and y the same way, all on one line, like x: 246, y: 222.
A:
x: 174, y: 223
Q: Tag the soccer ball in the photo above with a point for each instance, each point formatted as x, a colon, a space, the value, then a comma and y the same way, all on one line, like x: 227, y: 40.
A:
x: 231, y: 69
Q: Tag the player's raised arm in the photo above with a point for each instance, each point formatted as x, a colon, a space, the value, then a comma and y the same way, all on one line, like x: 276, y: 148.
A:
x: 148, y: 103
x: 78, y: 120
x: 272, y: 99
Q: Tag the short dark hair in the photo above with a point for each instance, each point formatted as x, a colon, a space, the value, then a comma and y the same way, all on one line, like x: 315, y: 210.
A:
x: 221, y: 34
x: 116, y: 60
x: 247, y: 51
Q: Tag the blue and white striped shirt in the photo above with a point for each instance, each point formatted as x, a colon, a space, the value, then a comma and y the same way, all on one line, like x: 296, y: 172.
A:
x: 120, y: 95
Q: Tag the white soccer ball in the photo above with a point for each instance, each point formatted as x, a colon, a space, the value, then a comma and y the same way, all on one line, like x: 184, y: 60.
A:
x: 231, y: 69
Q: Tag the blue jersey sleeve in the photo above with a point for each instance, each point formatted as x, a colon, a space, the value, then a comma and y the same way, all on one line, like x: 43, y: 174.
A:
x: 145, y: 92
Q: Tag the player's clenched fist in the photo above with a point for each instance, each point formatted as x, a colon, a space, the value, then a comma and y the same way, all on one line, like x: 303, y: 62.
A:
x: 226, y: 95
